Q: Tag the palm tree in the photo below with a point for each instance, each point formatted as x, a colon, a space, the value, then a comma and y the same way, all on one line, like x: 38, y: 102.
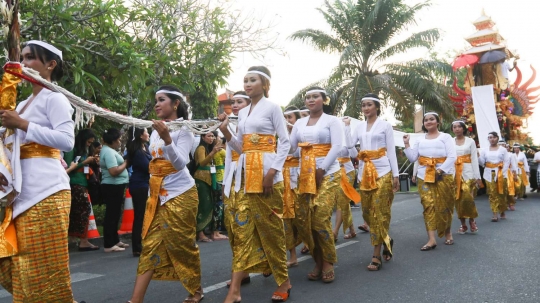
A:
x: 364, y: 34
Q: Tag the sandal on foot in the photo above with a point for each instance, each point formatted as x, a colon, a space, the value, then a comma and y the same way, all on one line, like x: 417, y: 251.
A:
x: 428, y: 248
x: 474, y: 228
x: 122, y: 245
x: 304, y: 250
x: 364, y: 228
x: 193, y: 300
x: 292, y: 264
x: 328, y: 276
x: 387, y: 252
x: 113, y: 249
x: 349, y: 236
x: 378, y: 265
x: 89, y: 248
x: 462, y: 229
x: 284, y: 296
x: 266, y: 275
x: 449, y: 242
x: 512, y: 208
x: 503, y: 216
x: 244, y: 281
x: 494, y: 219
x: 207, y: 240
x: 314, y: 275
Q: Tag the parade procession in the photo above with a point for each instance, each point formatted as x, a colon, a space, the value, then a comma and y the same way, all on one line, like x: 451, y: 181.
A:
x: 130, y: 172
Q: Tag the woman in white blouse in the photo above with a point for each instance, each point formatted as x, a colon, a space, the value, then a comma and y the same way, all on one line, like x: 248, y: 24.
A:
x: 320, y: 137
x: 169, y: 227
x: 511, y: 176
x: 259, y: 233
x: 496, y: 162
x: 436, y: 154
x: 523, y: 172
x: 378, y: 175
x: 36, y: 266
x: 467, y: 177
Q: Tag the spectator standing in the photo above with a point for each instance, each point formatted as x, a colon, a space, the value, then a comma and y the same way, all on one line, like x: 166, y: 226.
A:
x: 78, y: 170
x: 138, y: 157
x: 113, y: 184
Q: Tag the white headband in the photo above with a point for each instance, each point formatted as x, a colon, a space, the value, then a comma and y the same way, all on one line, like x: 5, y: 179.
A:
x: 292, y: 111
x: 316, y: 91
x: 241, y: 96
x: 457, y: 121
x: 46, y: 46
x: 164, y: 91
x: 304, y: 110
x: 517, y: 145
x: 431, y: 113
x: 372, y: 99
x: 259, y: 73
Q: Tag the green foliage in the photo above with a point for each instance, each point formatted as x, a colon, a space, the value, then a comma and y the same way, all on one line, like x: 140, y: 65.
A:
x: 363, y: 35
x: 99, y: 213
x: 117, y: 53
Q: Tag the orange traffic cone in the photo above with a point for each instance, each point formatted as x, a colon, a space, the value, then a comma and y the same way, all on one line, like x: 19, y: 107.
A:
x: 129, y: 215
x: 92, y: 228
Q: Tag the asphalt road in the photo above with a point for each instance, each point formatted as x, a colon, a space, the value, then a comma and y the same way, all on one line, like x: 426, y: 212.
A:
x: 498, y: 264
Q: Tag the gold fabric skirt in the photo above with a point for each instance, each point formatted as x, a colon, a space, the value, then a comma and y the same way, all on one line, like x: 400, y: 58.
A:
x: 497, y: 202
x: 169, y: 248
x: 258, y: 235
x: 321, y: 208
x: 376, y: 210
x: 298, y: 229
x: 520, y: 187
x: 438, y: 200
x: 344, y: 204
x: 465, y: 206
x: 510, y: 200
x: 40, y: 272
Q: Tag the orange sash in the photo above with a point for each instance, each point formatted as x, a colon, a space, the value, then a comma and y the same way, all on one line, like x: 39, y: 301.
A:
x: 235, y: 156
x: 34, y: 150
x: 500, y: 177
x: 430, y: 164
x: 254, y: 147
x: 459, y: 171
x: 347, y: 188
x: 159, y: 168
x: 288, y: 194
x: 511, y: 183
x: 308, y: 166
x: 524, y: 178
x: 370, y: 175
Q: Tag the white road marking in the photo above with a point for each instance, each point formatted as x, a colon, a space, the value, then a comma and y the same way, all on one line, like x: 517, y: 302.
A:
x: 304, y: 258
x: 75, y: 277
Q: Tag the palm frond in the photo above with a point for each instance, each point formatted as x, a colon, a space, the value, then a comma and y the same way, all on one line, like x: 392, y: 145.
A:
x: 426, y: 39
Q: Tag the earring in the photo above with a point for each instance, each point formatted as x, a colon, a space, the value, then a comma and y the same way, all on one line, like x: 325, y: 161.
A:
x: 49, y: 68
x: 176, y: 107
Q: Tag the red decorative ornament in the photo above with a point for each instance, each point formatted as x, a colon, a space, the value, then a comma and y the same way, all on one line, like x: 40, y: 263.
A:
x: 470, y: 128
x: 504, y: 125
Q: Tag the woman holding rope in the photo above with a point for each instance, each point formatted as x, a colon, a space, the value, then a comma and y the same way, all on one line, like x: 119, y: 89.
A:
x: 169, y: 250
x: 259, y: 232
x: 39, y: 271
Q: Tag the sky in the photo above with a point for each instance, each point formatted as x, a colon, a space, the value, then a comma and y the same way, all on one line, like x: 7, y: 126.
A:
x: 517, y: 21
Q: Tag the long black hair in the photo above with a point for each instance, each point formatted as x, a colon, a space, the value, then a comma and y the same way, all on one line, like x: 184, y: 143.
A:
x: 134, y: 142
x: 208, y: 147
x: 110, y: 135
x: 80, y: 141
x: 182, y: 109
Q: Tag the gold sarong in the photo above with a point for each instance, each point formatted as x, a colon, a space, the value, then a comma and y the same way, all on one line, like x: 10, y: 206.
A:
x: 500, y: 177
x: 370, y: 175
x: 431, y: 164
x: 465, y: 206
x: 40, y: 271
x: 377, y: 209
x: 459, y: 172
x: 289, y: 194
x: 346, y: 186
x: 497, y: 200
x: 254, y: 148
x: 258, y: 233
x: 169, y: 248
x: 308, y: 166
x: 159, y: 169
x: 8, y: 233
x: 343, y: 202
x: 321, y: 209
x: 524, y: 178
x: 438, y: 201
